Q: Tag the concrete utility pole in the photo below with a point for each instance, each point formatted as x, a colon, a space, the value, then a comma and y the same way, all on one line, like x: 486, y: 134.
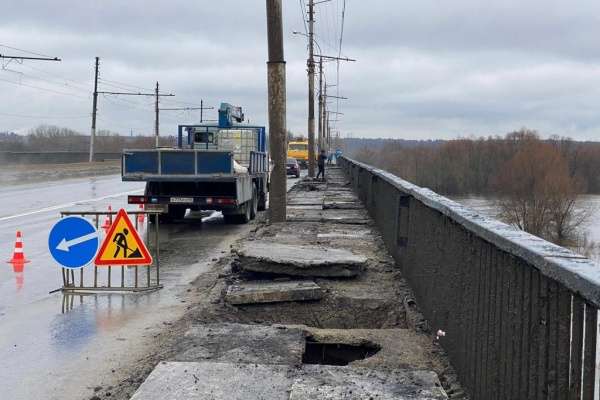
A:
x: 94, y: 111
x: 324, y: 116
x: 156, y: 112
x: 311, y: 90
x: 277, y: 112
x: 320, y: 141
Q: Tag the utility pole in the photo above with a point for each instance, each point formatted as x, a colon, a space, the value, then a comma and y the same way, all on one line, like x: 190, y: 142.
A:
x: 156, y: 112
x: 277, y: 111
x: 311, y: 90
x: 94, y: 111
x: 320, y: 141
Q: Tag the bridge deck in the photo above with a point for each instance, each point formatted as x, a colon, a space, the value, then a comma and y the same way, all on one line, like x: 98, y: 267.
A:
x: 363, y: 337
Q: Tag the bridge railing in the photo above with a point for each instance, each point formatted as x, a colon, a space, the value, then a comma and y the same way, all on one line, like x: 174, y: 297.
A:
x: 520, y: 313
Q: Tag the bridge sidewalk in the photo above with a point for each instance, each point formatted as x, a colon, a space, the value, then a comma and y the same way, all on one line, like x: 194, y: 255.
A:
x: 313, y: 308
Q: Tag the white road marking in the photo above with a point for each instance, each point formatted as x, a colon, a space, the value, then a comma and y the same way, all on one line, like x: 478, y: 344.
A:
x: 53, y: 208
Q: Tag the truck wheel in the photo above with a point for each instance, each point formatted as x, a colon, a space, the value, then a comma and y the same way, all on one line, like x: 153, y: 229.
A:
x: 230, y: 218
x: 247, y: 214
x: 262, y: 201
x: 254, y: 203
x: 176, y: 212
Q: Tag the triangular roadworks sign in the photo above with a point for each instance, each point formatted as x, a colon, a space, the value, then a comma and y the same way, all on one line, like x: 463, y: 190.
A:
x: 123, y: 245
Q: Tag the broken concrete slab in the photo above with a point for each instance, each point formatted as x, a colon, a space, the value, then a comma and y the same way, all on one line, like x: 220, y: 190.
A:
x: 344, y: 235
x: 241, y: 343
x: 207, y: 380
x: 304, y: 206
x: 333, y: 383
x: 299, y: 260
x: 216, y: 381
x: 272, y: 292
x: 340, y: 216
x: 342, y: 205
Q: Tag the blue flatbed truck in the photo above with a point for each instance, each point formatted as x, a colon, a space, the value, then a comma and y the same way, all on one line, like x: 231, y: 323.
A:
x: 222, y: 167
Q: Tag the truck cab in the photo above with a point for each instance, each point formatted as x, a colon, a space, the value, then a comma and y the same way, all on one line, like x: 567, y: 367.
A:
x: 299, y: 150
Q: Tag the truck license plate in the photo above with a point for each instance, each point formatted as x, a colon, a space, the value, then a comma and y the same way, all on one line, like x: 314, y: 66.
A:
x: 182, y: 200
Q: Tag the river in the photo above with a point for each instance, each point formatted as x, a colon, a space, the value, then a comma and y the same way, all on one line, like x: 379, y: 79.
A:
x: 591, y: 228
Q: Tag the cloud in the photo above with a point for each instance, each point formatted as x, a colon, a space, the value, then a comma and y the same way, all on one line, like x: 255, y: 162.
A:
x: 425, y: 69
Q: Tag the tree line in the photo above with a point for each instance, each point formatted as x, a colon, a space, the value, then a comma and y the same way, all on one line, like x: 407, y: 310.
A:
x: 536, y: 182
x: 473, y: 165
x: 54, y: 138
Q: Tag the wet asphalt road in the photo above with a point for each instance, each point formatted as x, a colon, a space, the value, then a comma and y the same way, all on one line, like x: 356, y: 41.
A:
x: 53, y: 349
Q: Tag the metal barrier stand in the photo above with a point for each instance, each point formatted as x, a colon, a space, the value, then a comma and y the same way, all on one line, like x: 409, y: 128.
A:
x: 68, y: 275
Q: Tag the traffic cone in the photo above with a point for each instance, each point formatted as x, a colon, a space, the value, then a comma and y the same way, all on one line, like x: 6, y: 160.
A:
x: 107, y: 220
x: 141, y: 216
x: 18, y: 255
x: 19, y: 277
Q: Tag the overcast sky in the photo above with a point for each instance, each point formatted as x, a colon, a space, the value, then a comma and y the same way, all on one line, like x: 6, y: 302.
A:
x: 425, y: 69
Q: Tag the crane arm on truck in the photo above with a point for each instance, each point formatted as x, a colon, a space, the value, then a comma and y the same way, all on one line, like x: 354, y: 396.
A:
x: 228, y: 115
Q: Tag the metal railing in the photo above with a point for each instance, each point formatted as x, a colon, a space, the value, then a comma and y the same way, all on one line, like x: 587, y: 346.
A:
x: 520, y: 313
x: 74, y: 281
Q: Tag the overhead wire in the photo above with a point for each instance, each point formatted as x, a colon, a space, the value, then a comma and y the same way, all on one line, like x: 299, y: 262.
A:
x: 45, y: 116
x: 61, y: 84
x: 44, y: 89
x: 25, y: 51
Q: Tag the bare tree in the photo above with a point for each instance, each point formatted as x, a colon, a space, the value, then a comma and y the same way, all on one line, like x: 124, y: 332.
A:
x: 537, y: 193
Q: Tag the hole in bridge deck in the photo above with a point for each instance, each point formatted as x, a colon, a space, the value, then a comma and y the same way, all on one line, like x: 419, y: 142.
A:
x: 336, y: 353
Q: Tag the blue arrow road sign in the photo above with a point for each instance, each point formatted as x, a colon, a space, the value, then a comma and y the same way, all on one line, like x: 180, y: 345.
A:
x: 73, y: 242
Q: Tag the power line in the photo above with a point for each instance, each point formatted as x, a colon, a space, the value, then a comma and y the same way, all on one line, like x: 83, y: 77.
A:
x: 116, y: 83
x: 26, y: 51
x: 302, y: 8
x: 73, y: 82
x: 44, y: 89
x: 46, y: 80
x: 45, y: 116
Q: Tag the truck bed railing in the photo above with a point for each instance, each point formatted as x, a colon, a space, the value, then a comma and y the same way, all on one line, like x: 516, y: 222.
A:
x: 159, y: 163
x: 258, y: 162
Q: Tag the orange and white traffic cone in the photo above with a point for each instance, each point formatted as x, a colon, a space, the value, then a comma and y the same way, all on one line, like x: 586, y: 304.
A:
x: 107, y: 220
x: 19, y: 276
x: 141, y: 216
x: 18, y: 255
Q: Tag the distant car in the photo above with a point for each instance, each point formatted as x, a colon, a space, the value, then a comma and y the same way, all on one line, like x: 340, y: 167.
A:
x: 292, y: 167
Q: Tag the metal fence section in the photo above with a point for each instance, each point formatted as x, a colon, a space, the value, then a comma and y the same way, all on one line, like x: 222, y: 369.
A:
x: 520, y: 313
x: 128, y: 278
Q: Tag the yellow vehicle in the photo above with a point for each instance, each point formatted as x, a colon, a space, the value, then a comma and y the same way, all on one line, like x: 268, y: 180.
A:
x: 299, y: 151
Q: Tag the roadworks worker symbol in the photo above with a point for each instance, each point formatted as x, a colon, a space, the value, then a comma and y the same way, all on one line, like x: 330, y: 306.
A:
x: 123, y: 245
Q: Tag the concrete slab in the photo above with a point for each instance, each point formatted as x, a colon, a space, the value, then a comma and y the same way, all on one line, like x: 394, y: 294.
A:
x: 344, y: 235
x: 342, y: 205
x: 296, y: 260
x: 334, y: 383
x: 272, y: 292
x: 216, y: 381
x: 352, y: 216
x: 242, y: 343
x: 305, y: 207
